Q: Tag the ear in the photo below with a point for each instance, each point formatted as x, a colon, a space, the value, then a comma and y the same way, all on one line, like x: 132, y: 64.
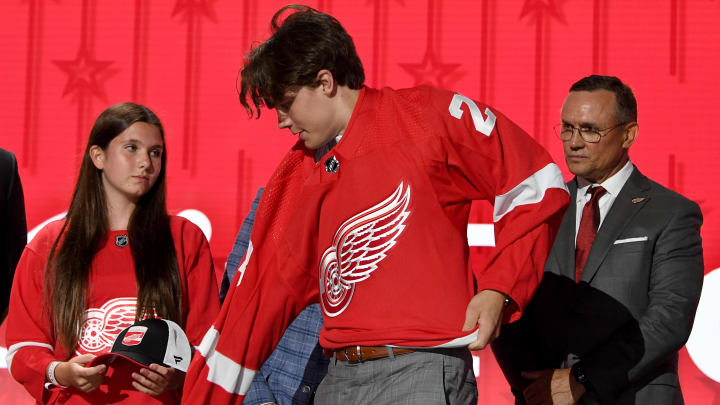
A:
x: 327, y: 81
x: 631, y: 132
x: 97, y: 155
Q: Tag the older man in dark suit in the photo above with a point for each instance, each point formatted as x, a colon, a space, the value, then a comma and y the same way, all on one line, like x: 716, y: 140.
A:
x: 623, y: 280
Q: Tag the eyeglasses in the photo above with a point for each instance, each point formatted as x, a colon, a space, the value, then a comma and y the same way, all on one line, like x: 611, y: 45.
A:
x: 591, y: 135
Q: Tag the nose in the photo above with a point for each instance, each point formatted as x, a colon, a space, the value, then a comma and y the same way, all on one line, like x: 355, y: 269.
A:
x: 576, y: 141
x: 284, y: 120
x: 145, y: 162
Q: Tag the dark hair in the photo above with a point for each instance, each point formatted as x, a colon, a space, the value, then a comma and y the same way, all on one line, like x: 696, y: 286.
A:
x: 625, y: 103
x: 306, y: 42
x: 86, y: 226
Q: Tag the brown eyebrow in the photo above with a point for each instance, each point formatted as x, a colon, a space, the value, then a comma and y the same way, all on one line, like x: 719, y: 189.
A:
x: 586, y: 125
x: 137, y: 141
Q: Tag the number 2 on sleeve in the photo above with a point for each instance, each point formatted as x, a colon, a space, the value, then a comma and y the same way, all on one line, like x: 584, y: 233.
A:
x: 482, y: 125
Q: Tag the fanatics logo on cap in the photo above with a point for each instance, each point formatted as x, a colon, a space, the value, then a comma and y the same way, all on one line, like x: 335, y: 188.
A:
x: 149, y: 341
x: 134, y: 335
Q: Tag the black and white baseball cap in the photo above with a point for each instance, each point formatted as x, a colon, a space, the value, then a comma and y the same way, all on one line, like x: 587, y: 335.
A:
x: 152, y: 340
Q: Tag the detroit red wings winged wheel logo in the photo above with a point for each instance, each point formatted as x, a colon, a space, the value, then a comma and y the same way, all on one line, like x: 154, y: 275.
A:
x: 102, y: 325
x: 358, y: 247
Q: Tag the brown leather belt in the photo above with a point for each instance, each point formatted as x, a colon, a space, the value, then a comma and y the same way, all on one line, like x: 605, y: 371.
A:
x: 358, y: 354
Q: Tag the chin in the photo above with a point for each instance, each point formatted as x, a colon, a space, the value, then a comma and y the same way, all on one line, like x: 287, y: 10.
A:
x: 576, y: 169
x: 137, y: 194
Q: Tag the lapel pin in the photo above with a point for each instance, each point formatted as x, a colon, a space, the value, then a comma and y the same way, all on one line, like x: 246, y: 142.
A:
x: 332, y: 165
x: 121, y: 240
x: 638, y: 200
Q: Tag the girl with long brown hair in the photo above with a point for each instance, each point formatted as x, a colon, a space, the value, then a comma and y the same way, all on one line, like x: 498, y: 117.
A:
x: 117, y: 257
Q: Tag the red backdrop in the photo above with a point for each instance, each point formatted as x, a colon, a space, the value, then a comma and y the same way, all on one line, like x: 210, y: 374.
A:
x: 64, y: 61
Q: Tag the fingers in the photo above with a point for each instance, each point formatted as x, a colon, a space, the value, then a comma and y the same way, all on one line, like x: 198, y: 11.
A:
x: 472, y: 313
x: 100, y: 369
x: 532, y: 394
x: 538, y: 392
x: 88, y: 385
x: 85, y: 386
x: 142, y: 386
x: 163, y: 371
x: 485, y: 312
x: 497, y: 330
x: 88, y: 379
x: 485, y: 331
x: 72, y: 373
x: 174, y: 377
x: 471, y: 318
x: 82, y: 359
x: 151, y: 381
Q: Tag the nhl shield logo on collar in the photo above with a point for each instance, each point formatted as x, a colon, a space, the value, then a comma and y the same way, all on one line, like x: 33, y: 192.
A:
x: 121, y: 240
x: 331, y: 164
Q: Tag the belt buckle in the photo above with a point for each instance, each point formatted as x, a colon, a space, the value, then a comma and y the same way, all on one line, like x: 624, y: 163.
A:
x: 347, y: 355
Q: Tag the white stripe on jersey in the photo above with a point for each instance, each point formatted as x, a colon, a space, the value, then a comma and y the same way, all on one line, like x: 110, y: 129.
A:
x: 222, y: 371
x: 462, y: 341
x: 530, y: 191
x: 17, y: 346
x: 244, y: 264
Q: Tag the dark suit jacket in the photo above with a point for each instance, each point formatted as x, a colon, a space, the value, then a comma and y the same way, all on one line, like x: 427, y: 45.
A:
x: 633, y: 308
x: 13, y: 230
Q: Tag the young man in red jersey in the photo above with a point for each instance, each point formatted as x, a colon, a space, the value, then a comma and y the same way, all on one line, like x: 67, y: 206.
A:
x: 370, y: 208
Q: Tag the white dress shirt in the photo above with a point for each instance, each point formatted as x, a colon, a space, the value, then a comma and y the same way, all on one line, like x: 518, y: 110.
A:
x: 612, y: 186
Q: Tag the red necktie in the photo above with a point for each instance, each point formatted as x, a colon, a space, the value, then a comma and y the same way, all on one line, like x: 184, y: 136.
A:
x: 589, y: 224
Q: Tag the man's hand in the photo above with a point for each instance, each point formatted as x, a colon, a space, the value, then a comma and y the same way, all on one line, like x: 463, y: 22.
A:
x: 485, y: 311
x: 556, y: 387
x: 73, y: 373
x: 157, y: 379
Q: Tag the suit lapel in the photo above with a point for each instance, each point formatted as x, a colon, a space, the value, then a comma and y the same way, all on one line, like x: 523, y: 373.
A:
x: 620, y: 214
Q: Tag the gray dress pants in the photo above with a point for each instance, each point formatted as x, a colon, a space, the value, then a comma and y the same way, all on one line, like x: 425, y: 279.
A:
x: 438, y: 376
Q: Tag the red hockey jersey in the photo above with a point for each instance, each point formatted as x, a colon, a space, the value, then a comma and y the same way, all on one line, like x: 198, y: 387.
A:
x: 111, y: 308
x: 376, y: 232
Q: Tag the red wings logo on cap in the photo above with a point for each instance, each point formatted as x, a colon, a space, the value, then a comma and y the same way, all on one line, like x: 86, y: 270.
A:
x: 102, y: 325
x: 134, y: 335
x: 359, y: 245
